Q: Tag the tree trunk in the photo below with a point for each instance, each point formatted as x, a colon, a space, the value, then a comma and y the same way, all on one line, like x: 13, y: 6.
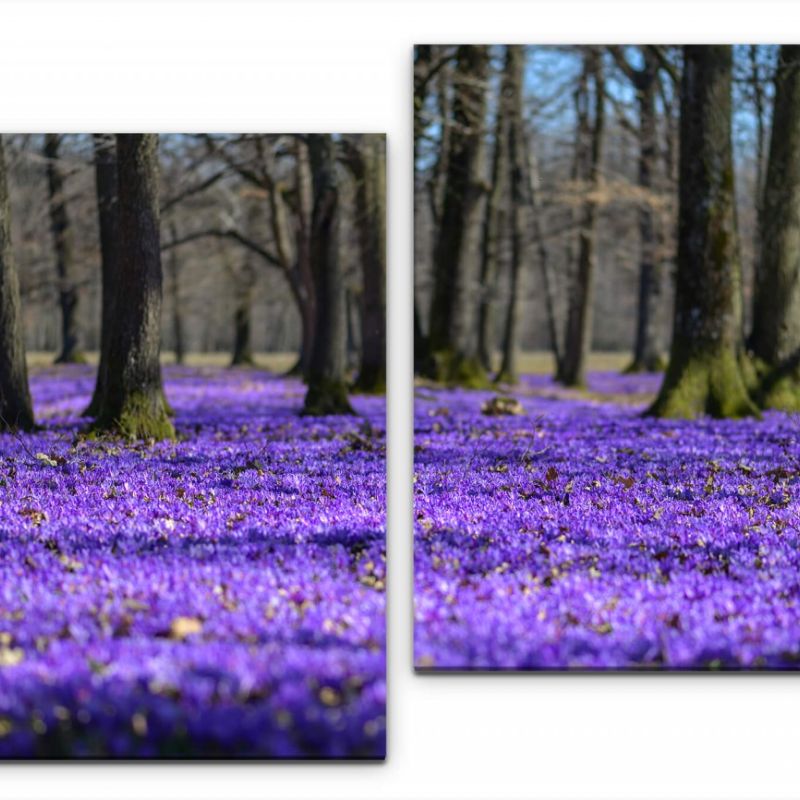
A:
x: 242, y: 349
x: 174, y: 267
x: 353, y: 329
x: 543, y: 255
x: 775, y: 340
x: 243, y: 279
x: 494, y: 221
x: 370, y: 173
x: 437, y: 183
x: 62, y: 244
x: 517, y: 163
x: 704, y: 374
x: 456, y: 260
x: 578, y: 336
x: 105, y: 173
x: 758, y: 103
x: 432, y: 190
x: 327, y: 380
x: 301, y: 279
x: 133, y: 403
x: 422, y: 360
x: 16, y: 411
x: 647, y: 349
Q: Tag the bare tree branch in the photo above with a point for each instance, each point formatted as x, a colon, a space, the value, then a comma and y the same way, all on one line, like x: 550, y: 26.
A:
x: 192, y: 190
x: 226, y: 233
x: 664, y: 62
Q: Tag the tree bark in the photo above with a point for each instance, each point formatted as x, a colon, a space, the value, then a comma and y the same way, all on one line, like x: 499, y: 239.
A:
x: 775, y: 339
x: 516, y: 166
x: 242, y: 347
x: 174, y: 267
x: 327, y: 381
x: 307, y: 300
x: 422, y: 359
x: 578, y: 336
x: 452, y: 336
x: 62, y: 244
x: 105, y: 172
x: 647, y: 348
x: 133, y: 403
x: 494, y: 221
x: 542, y: 252
x: 369, y: 168
x: 243, y: 280
x: 427, y: 72
x: 704, y: 374
x: 16, y: 410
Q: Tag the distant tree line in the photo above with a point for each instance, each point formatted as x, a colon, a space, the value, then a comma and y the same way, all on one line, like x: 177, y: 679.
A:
x: 663, y: 170
x: 300, y: 205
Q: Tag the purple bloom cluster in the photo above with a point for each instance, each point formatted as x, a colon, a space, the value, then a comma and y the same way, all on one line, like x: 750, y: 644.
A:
x: 219, y: 596
x: 580, y: 535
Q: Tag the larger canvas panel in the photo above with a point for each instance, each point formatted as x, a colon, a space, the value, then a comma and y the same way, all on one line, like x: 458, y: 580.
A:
x: 607, y: 330
x: 192, y: 533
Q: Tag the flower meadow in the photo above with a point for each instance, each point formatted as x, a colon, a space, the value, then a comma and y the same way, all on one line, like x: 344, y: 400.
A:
x: 217, y: 596
x: 559, y: 530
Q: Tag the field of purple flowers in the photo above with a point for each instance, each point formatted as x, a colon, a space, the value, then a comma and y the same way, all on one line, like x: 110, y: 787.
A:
x: 218, y: 596
x: 556, y: 530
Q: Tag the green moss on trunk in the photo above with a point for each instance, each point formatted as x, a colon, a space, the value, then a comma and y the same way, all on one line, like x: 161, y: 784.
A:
x: 773, y: 387
x: 654, y: 364
x: 506, y: 376
x: 371, y: 381
x: 700, y: 385
x: 242, y: 361
x: 143, y: 416
x: 325, y: 398
x: 72, y: 357
x: 453, y: 369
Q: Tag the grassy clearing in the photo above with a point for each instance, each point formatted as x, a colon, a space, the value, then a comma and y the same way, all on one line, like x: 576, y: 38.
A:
x: 540, y: 362
x: 275, y: 362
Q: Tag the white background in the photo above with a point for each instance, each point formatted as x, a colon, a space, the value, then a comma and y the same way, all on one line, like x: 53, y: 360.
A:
x: 327, y: 65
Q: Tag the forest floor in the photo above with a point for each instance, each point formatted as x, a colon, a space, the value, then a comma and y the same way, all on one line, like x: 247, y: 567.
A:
x: 222, y: 595
x: 560, y: 529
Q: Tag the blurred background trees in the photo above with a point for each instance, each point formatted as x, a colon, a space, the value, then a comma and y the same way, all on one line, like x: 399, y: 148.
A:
x: 576, y: 246
x: 268, y: 244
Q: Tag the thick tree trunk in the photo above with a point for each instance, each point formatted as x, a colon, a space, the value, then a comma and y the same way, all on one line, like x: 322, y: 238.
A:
x: 16, y: 411
x: 452, y: 336
x: 495, y: 222
x: 62, y: 244
x: 370, y: 173
x: 517, y: 168
x: 704, y: 374
x: 775, y: 339
x: 133, y: 403
x: 327, y: 379
x: 578, y: 336
x: 105, y: 173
